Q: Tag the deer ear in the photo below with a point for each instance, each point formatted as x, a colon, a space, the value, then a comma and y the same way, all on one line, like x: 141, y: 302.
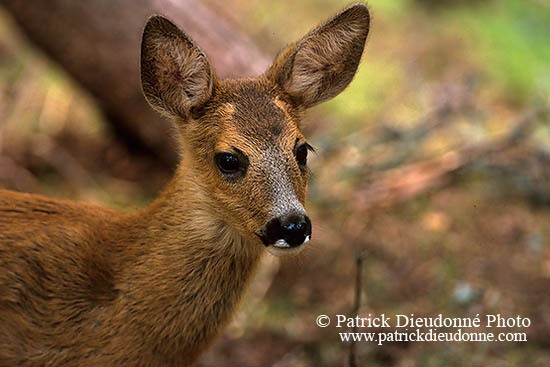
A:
x: 323, y: 63
x: 176, y: 75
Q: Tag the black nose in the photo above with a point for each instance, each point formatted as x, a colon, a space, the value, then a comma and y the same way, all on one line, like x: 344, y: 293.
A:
x: 293, y: 229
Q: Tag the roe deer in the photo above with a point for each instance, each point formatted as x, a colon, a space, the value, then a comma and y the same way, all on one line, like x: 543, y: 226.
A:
x: 82, y: 285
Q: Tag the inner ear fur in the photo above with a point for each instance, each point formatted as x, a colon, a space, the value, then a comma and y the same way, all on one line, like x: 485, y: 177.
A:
x: 176, y: 75
x: 323, y: 63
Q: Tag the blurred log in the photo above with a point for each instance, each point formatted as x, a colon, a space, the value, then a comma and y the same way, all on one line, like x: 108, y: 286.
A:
x: 98, y: 43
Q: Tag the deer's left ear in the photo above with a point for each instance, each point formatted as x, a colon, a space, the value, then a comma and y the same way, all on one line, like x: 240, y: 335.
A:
x: 323, y: 63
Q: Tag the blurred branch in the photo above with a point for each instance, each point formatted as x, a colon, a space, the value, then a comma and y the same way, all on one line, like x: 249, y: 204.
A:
x: 403, y: 183
x: 98, y: 43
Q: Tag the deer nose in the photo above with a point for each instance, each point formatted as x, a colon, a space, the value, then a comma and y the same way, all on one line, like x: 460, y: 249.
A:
x: 287, y: 231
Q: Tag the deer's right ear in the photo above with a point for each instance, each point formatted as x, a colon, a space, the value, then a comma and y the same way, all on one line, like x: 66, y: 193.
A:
x: 176, y: 75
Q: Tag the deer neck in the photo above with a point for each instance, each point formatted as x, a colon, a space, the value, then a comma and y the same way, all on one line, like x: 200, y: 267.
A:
x: 190, y: 268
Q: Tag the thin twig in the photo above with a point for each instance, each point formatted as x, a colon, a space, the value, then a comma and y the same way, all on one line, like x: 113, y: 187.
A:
x: 353, y: 361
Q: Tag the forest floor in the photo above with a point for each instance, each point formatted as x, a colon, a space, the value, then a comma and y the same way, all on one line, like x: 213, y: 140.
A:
x: 433, y: 167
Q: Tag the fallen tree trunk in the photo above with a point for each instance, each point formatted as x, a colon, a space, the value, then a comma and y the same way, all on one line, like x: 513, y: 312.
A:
x: 98, y: 43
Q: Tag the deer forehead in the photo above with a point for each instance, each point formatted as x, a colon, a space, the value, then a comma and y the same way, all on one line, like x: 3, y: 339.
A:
x: 255, y: 120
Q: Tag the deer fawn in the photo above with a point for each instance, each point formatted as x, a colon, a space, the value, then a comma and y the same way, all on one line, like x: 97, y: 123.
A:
x: 82, y: 285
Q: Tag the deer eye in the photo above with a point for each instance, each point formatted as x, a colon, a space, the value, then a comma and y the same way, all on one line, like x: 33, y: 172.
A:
x: 301, y: 154
x: 233, y: 165
x: 228, y: 163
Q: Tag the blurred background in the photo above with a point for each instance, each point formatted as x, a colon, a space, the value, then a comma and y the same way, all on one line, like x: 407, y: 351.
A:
x: 433, y: 167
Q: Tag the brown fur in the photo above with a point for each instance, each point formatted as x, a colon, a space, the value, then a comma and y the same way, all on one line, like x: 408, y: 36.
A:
x: 82, y: 285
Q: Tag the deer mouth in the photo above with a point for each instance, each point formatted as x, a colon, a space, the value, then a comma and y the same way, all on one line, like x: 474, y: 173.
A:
x: 281, y: 246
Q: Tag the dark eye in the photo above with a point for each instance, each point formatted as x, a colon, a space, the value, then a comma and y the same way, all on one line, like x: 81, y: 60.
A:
x: 301, y: 155
x: 228, y: 163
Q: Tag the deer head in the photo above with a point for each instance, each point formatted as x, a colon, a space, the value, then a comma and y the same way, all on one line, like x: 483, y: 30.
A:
x: 241, y: 139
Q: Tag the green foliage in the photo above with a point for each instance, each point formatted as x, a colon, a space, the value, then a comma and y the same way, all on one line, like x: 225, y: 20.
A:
x: 368, y: 95
x: 511, y: 41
